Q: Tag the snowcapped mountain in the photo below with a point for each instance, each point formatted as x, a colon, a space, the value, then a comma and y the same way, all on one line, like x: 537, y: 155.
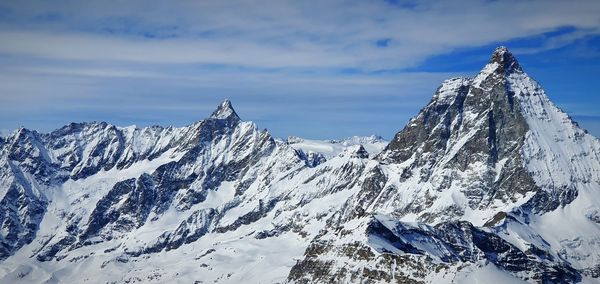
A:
x: 490, y: 181
x: 99, y: 203
x: 490, y: 175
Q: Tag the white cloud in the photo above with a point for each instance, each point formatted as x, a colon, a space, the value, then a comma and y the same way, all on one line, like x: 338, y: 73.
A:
x: 282, y: 34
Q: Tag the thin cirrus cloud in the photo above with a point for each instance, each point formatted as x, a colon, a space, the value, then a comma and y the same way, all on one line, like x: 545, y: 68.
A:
x: 286, y: 62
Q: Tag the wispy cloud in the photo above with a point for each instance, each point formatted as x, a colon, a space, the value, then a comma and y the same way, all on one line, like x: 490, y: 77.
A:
x: 558, y: 41
x: 281, y: 34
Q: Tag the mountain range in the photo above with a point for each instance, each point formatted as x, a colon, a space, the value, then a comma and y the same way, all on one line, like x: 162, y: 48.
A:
x: 490, y: 182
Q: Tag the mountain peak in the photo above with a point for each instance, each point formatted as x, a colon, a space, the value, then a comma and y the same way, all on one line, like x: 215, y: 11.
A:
x: 505, y: 60
x: 225, y: 111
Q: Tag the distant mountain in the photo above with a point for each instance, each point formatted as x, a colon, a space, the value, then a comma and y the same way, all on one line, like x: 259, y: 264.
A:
x: 328, y: 149
x: 490, y: 182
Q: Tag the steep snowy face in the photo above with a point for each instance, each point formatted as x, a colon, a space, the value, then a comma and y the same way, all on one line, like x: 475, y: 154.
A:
x: 558, y: 154
x: 22, y: 204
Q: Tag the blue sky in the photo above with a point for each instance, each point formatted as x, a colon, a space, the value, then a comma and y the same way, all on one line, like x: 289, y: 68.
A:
x: 316, y: 69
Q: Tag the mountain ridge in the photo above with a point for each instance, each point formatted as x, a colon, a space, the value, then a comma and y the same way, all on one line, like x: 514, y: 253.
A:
x: 474, y: 183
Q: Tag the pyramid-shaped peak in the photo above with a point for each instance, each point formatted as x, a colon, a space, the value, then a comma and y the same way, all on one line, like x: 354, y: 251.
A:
x: 507, y: 63
x: 225, y: 111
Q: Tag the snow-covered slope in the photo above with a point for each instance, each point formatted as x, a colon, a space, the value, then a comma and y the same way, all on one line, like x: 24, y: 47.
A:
x: 489, y: 182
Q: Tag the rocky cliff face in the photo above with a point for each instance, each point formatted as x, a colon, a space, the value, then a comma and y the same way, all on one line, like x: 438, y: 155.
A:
x: 476, y: 184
